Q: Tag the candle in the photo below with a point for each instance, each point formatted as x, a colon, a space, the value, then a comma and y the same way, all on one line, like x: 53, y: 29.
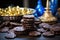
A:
x: 25, y: 3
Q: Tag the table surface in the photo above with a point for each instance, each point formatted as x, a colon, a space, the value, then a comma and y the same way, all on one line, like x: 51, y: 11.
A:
x: 57, y: 37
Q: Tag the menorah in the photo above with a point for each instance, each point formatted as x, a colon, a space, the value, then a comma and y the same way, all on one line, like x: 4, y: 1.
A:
x: 40, y: 9
x: 47, y: 16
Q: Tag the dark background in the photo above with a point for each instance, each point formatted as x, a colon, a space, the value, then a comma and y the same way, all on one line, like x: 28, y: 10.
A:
x: 32, y: 3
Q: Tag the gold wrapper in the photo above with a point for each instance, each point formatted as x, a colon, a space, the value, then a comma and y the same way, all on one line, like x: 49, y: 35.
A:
x: 15, y: 11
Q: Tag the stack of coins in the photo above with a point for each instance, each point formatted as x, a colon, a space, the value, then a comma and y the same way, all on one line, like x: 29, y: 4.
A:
x: 37, y: 22
x: 28, y: 22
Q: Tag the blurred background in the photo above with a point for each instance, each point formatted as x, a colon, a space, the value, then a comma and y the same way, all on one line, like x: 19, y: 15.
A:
x: 32, y: 3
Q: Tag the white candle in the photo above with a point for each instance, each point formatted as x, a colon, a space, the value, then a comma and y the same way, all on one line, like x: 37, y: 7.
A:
x: 25, y: 3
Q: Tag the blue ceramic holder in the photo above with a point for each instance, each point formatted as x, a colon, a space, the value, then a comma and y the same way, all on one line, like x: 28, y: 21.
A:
x: 53, y: 6
x: 39, y: 9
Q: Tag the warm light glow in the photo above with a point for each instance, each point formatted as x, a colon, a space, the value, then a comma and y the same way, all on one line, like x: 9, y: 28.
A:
x: 15, y: 11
